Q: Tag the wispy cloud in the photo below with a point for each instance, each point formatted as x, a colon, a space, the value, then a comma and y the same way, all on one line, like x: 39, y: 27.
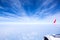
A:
x: 16, y: 4
x: 31, y: 20
x: 47, y: 2
x: 15, y: 8
x: 47, y: 9
x: 22, y: 17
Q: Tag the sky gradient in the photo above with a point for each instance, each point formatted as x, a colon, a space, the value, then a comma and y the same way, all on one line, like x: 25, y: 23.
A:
x: 29, y: 11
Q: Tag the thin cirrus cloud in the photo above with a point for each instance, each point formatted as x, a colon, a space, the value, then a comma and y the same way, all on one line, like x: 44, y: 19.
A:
x: 47, y: 7
x: 31, y: 20
x: 18, y: 10
x: 45, y: 11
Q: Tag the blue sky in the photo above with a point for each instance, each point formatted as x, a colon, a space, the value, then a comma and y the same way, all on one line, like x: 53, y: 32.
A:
x: 27, y: 10
x: 29, y: 7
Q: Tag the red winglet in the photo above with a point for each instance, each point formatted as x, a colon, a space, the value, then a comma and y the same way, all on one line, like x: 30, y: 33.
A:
x: 54, y: 21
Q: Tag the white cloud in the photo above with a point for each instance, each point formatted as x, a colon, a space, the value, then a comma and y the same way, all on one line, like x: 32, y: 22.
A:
x: 45, y: 11
x: 16, y: 4
x: 31, y: 20
x: 47, y: 2
x: 28, y: 27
